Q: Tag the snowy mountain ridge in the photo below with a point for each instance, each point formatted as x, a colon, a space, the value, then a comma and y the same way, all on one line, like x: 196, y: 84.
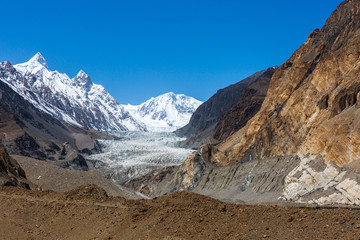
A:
x: 80, y: 102
x: 77, y: 101
x: 165, y: 113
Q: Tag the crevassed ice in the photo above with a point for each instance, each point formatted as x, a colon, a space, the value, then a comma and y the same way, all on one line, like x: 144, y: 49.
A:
x: 141, y: 152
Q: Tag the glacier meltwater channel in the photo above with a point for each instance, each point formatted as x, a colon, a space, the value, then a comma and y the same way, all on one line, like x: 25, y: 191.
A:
x: 134, y: 154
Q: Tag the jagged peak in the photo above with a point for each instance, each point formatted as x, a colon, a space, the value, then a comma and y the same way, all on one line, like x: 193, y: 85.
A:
x: 7, y: 64
x: 38, y: 58
x: 82, y: 75
x: 82, y: 78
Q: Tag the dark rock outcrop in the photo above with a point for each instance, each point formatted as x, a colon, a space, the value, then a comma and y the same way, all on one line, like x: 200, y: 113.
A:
x: 248, y: 104
x: 206, y: 118
x: 11, y: 174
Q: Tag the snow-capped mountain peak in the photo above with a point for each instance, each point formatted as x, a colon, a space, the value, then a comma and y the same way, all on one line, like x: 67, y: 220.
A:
x: 82, y: 79
x: 76, y: 101
x: 81, y: 102
x: 38, y: 58
x: 34, y: 65
x: 166, y: 112
x: 81, y: 75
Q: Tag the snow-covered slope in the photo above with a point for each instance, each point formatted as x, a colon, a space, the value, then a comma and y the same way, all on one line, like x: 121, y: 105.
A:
x: 166, y: 112
x: 77, y: 101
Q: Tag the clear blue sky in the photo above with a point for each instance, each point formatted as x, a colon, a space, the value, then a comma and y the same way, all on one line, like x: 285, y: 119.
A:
x: 140, y: 48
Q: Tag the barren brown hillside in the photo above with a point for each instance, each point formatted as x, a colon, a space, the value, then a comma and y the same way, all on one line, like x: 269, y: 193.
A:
x: 87, y: 213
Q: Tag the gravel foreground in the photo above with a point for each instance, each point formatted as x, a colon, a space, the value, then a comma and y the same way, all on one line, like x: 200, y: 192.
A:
x: 87, y: 213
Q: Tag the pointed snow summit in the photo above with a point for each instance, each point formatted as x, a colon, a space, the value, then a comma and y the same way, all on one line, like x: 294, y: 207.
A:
x: 34, y: 65
x: 82, y: 79
x: 81, y: 75
x: 38, y: 58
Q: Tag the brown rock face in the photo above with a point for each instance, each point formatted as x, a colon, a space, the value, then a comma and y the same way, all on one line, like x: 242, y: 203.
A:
x: 11, y: 174
x: 248, y: 104
x: 312, y: 103
x: 206, y: 118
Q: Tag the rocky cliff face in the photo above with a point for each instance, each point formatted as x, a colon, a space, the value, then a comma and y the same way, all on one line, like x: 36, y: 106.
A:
x: 11, y: 174
x: 311, y: 111
x: 205, y: 119
x: 309, y: 121
x: 311, y: 106
x: 248, y: 104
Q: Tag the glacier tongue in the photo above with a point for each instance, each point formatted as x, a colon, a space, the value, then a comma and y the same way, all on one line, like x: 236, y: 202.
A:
x: 138, y: 153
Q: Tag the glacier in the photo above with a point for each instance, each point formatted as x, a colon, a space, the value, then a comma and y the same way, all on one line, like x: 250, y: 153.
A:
x: 134, y: 154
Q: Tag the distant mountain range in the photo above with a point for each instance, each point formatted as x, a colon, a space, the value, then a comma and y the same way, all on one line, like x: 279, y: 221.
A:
x: 79, y: 102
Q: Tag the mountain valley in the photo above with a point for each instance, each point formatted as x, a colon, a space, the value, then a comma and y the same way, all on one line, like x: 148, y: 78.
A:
x: 50, y: 117
x: 275, y: 155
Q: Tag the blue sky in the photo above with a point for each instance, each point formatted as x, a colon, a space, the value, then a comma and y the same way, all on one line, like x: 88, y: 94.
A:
x: 140, y: 48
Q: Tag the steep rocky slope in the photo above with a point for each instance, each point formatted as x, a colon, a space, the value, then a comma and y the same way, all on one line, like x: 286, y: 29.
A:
x: 248, y: 104
x: 308, y: 122
x: 204, y: 120
x: 11, y: 174
x: 311, y: 102
x: 311, y: 111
